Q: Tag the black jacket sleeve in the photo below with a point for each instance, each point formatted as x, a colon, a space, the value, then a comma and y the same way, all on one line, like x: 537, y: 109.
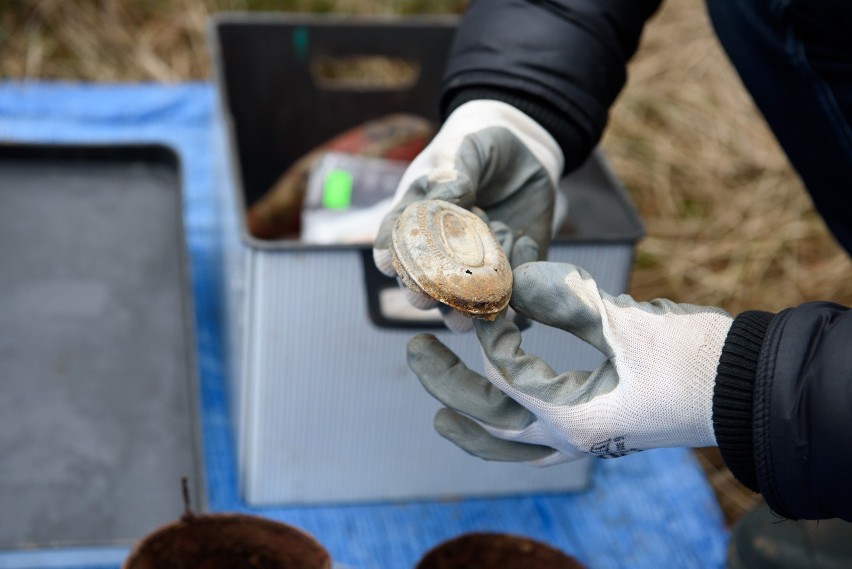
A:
x: 561, y: 62
x: 782, y: 408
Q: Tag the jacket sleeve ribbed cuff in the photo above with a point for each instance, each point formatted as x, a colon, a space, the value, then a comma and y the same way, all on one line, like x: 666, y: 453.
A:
x: 733, y: 394
x: 575, y: 144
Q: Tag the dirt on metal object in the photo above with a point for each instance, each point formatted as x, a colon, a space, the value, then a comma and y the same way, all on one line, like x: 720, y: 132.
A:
x: 227, y: 541
x: 450, y: 254
x: 496, y: 551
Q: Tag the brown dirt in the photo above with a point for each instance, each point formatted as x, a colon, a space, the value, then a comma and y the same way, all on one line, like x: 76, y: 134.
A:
x: 495, y: 551
x: 228, y: 541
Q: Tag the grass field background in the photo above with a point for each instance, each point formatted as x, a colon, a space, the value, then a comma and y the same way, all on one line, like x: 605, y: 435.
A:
x: 728, y: 222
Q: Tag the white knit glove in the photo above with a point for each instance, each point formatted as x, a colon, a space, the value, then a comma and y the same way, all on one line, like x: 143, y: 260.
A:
x: 491, y: 156
x: 655, y: 388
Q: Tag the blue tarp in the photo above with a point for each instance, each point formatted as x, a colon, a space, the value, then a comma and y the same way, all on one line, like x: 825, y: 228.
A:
x: 648, y: 510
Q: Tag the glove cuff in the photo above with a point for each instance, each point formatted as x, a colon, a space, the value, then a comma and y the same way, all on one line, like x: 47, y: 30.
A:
x: 572, y: 140
x: 733, y: 394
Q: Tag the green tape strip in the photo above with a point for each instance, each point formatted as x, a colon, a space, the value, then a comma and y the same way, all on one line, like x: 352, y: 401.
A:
x: 300, y: 43
x: 337, y: 190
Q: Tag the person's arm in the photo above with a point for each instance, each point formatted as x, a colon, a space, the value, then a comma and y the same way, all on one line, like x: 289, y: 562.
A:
x: 563, y: 63
x: 774, y: 392
x: 782, y: 408
x: 524, y: 100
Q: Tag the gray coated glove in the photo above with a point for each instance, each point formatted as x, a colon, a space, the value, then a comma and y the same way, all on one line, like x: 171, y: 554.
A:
x: 488, y: 156
x: 654, y: 389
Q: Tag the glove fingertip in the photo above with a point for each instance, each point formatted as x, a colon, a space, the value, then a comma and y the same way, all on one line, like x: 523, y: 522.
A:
x: 525, y: 250
x: 383, y: 262
x: 480, y: 213
x: 454, y: 320
x: 446, y: 423
x: 458, y: 429
x: 417, y: 299
x: 420, y: 342
x: 424, y: 347
x: 429, y: 358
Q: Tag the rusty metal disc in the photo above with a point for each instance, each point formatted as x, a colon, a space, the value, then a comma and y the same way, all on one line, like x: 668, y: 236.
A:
x: 450, y: 254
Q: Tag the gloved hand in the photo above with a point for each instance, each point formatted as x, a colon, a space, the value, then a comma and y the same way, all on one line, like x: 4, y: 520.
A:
x: 491, y: 156
x: 655, y: 388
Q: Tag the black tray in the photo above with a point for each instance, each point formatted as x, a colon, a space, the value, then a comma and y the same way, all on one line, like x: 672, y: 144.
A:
x: 98, y: 381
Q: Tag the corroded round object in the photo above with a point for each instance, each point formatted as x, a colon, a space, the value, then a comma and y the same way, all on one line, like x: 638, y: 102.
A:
x: 450, y: 254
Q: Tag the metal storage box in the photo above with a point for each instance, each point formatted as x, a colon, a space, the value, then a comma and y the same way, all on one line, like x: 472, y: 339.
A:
x: 324, y: 407
x: 98, y: 381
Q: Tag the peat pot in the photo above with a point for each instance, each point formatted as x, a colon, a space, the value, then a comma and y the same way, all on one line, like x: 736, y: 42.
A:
x: 228, y: 541
x: 495, y: 551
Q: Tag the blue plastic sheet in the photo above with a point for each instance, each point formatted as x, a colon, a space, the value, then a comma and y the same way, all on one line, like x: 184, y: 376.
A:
x: 652, y: 509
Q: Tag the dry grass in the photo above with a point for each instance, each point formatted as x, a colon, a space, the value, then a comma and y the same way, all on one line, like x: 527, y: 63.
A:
x: 140, y: 40
x: 728, y: 221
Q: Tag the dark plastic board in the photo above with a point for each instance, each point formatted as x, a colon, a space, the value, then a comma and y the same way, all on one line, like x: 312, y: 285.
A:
x: 98, y: 382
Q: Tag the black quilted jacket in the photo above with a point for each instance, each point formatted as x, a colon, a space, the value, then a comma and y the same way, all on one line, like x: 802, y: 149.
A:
x: 782, y: 406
